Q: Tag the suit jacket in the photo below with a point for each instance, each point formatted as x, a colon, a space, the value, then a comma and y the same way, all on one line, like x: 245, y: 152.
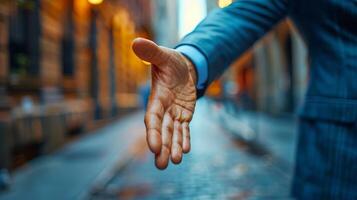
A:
x: 329, y: 28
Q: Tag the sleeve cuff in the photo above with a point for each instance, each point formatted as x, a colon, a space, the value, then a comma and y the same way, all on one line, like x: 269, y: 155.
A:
x: 199, y: 61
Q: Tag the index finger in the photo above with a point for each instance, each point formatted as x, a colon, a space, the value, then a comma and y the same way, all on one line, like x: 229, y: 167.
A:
x: 153, y: 122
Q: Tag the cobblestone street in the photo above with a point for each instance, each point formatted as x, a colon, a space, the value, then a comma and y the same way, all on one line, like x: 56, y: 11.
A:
x: 218, y: 166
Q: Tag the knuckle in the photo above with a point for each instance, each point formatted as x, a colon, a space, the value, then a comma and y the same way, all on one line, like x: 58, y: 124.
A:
x: 167, y: 147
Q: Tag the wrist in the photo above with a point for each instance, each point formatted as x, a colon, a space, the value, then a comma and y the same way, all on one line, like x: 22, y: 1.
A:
x: 191, y: 69
x: 199, y: 62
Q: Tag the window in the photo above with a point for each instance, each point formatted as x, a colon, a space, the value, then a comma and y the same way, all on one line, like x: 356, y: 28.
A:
x: 68, y: 42
x: 24, y: 38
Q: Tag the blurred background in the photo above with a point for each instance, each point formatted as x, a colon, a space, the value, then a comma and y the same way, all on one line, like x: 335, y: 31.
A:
x: 72, y: 99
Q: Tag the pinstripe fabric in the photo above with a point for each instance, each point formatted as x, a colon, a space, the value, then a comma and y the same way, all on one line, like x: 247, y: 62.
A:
x: 326, y: 160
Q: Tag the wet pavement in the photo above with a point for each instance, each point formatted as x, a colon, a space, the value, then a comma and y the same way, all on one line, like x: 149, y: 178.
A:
x: 71, y: 171
x: 220, y: 165
x: 234, y: 155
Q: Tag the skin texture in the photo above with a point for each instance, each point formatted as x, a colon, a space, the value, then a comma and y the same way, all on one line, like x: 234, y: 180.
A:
x: 171, y: 103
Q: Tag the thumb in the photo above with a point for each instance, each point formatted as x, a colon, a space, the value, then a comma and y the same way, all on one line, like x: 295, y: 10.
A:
x: 149, y: 51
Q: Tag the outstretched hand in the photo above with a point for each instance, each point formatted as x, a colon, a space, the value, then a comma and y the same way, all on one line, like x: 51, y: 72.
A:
x: 171, y: 103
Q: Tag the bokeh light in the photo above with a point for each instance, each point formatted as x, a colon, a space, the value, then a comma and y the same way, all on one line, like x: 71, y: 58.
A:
x: 95, y: 2
x: 190, y: 14
x: 224, y: 3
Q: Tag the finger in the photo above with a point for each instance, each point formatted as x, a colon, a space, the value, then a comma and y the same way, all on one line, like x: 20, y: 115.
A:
x: 153, y: 123
x: 149, y: 51
x: 162, y: 159
x: 153, y: 139
x: 167, y: 129
x: 186, y: 146
x: 176, y: 148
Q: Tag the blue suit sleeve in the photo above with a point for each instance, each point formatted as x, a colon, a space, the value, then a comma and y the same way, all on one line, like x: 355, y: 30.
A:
x: 227, y: 33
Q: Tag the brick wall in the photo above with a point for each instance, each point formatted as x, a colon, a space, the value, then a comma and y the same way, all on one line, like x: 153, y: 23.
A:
x: 50, y: 41
x: 4, y: 13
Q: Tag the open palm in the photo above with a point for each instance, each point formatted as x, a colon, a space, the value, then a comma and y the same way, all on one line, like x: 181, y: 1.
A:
x: 171, y: 103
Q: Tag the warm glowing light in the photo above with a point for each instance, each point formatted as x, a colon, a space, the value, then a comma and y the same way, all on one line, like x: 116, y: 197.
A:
x: 95, y: 2
x: 145, y: 62
x: 81, y: 7
x: 191, y: 12
x: 224, y: 3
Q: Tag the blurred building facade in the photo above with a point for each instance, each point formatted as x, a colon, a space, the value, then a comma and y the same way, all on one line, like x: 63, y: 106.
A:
x: 281, y: 69
x: 165, y: 22
x: 65, y: 65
